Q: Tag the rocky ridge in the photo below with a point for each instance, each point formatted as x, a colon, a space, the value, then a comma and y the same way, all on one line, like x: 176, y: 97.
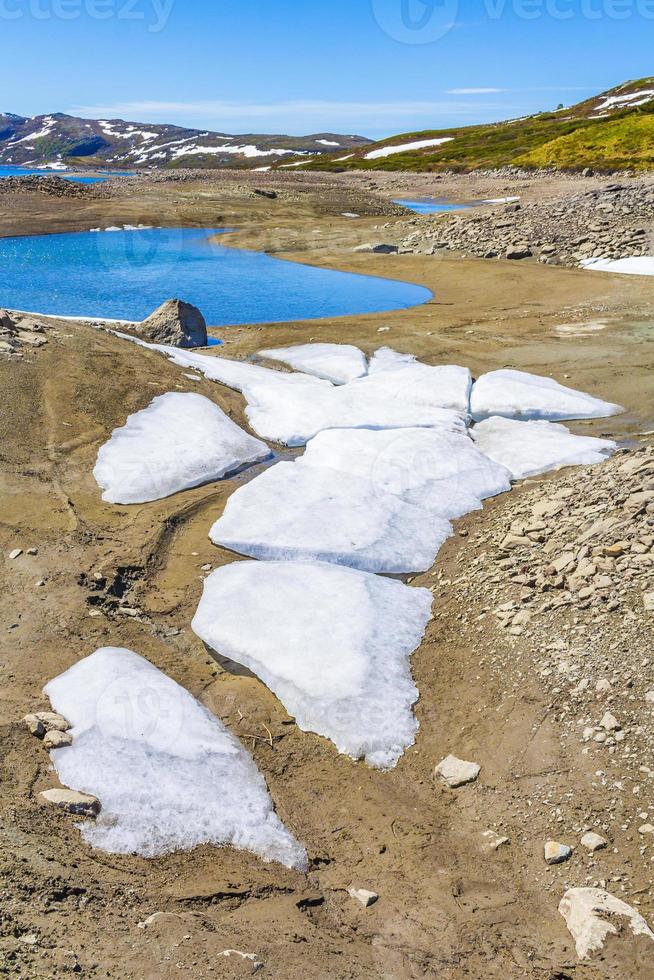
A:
x: 614, y: 221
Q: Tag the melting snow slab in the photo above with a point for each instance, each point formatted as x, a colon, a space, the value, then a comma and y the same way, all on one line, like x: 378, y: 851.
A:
x: 438, y: 470
x: 168, y: 774
x: 516, y: 394
x: 293, y: 511
x: 529, y: 448
x: 180, y: 440
x: 588, y: 914
x: 402, y: 377
x: 636, y: 265
x: 338, y: 363
x: 333, y: 644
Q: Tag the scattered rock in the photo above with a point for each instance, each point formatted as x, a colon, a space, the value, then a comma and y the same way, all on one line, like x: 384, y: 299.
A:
x: 16, y: 553
x: 272, y: 195
x: 363, y: 896
x: 493, y: 841
x: 57, y: 740
x: 588, y: 914
x: 379, y: 248
x: 457, y: 772
x: 555, y: 853
x: 34, y: 725
x: 593, y: 842
x: 52, y: 721
x: 81, y: 804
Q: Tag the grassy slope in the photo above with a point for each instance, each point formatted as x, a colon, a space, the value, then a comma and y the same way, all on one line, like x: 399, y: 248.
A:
x: 571, y: 139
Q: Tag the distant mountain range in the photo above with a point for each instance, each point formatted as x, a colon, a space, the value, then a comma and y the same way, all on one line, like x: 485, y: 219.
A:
x: 60, y: 140
x: 611, y: 131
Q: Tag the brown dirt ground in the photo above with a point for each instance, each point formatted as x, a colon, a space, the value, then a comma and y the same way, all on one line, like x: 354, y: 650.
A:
x: 446, y: 909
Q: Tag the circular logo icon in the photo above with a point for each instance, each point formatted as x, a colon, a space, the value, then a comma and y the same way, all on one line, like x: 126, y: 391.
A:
x: 416, y: 21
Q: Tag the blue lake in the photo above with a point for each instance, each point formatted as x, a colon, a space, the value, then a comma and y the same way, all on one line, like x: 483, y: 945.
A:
x: 30, y: 171
x: 127, y: 274
x: 430, y: 205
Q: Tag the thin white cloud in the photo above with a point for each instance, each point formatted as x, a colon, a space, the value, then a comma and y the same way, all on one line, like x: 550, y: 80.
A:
x: 474, y: 91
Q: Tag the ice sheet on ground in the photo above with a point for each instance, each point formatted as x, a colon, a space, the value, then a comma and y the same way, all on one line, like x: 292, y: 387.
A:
x: 334, y: 649
x: 291, y: 408
x: 516, y: 394
x: 636, y: 265
x: 168, y: 774
x: 400, y: 377
x: 297, y: 512
x: 180, y: 440
x: 528, y: 448
x: 440, y: 471
x: 338, y: 363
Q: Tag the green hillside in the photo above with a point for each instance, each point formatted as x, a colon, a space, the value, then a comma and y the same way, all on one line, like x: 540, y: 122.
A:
x: 611, y: 131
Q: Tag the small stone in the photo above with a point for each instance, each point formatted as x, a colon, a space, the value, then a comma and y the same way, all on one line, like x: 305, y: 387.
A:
x: 646, y: 828
x: 32, y: 551
x: 610, y: 723
x: 457, y: 772
x: 593, y: 842
x: 603, y: 686
x: 81, y: 804
x: 493, y: 841
x: 649, y: 697
x: 648, y: 600
x: 34, y: 725
x: 53, y: 721
x: 363, y: 895
x: 556, y: 853
x: 16, y: 553
x: 57, y: 740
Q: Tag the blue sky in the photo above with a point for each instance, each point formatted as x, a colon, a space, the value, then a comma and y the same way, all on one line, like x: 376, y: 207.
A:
x: 374, y: 67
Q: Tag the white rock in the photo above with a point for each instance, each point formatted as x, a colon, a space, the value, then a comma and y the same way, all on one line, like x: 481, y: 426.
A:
x: 80, y: 803
x: 362, y: 895
x: 57, y: 740
x: 593, y: 842
x: 180, y: 440
x: 493, y: 841
x: 609, y: 722
x: 334, y: 647
x: 517, y: 394
x: 588, y: 913
x: 457, y: 772
x: 646, y: 828
x: 297, y: 512
x: 168, y: 774
x: 529, y: 448
x: 16, y: 553
x: 338, y: 363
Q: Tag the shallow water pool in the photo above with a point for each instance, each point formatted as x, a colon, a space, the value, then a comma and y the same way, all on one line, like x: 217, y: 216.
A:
x: 127, y: 274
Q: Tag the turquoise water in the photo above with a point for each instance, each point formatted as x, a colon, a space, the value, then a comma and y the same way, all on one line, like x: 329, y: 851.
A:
x: 27, y: 172
x: 430, y: 205
x: 127, y: 274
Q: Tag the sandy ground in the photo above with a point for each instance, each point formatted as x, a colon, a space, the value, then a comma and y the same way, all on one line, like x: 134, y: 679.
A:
x: 447, y: 908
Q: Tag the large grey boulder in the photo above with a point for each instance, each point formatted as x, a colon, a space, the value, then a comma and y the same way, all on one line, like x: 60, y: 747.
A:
x: 176, y: 323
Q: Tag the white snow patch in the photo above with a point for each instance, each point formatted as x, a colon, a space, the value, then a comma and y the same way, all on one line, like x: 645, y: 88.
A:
x: 635, y: 265
x: 328, y: 143
x: 295, y: 511
x: 588, y: 913
x: 387, y: 151
x: 440, y: 471
x: 630, y: 101
x: 400, y: 377
x: 247, y: 150
x: 517, y: 394
x: 338, y: 363
x: 168, y: 774
x: 180, y: 440
x: 500, y: 200
x: 331, y: 643
x: 529, y: 448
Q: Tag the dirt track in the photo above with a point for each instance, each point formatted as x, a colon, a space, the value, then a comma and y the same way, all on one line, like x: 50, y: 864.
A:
x: 446, y: 907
